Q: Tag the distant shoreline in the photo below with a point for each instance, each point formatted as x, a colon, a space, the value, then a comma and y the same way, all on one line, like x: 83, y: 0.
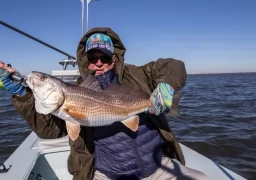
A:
x: 221, y: 73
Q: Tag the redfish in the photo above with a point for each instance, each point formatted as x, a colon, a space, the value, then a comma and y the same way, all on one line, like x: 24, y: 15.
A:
x: 88, y: 105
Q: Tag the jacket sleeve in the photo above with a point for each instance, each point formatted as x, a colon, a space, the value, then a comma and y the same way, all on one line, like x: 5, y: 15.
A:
x: 45, y: 126
x: 169, y: 70
x: 148, y: 76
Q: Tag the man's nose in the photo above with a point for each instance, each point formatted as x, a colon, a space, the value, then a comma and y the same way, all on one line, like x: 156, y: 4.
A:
x: 99, y: 63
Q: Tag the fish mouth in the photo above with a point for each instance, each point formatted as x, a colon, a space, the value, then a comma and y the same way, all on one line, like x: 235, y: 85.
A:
x: 29, y: 82
x: 34, y: 75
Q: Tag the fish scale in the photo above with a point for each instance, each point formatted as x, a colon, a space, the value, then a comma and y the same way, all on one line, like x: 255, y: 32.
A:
x: 102, y: 111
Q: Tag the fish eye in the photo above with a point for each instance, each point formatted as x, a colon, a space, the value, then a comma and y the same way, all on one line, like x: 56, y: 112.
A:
x: 42, y: 78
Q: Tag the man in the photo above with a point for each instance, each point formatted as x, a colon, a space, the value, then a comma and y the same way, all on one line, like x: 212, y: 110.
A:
x: 115, y: 152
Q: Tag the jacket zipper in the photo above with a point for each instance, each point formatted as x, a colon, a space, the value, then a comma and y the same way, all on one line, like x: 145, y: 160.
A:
x: 104, y: 77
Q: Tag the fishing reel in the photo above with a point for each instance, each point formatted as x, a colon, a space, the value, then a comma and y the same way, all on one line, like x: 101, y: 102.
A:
x: 18, y: 78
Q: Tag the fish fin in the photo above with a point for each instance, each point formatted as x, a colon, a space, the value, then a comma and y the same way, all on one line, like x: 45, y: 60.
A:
x: 73, y: 130
x: 132, y: 123
x: 174, y: 109
x: 74, y: 114
x: 63, y: 115
x: 91, y: 83
x: 124, y: 89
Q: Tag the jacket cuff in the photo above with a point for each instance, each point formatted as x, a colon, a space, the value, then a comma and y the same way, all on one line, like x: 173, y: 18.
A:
x: 24, y: 96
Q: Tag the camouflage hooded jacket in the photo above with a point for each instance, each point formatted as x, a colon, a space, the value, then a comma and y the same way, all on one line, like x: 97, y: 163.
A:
x: 145, y: 78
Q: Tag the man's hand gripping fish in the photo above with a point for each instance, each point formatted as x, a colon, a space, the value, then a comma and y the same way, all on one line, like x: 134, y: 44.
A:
x: 89, y: 105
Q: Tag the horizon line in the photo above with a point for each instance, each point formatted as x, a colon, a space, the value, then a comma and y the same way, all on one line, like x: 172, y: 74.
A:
x: 248, y: 72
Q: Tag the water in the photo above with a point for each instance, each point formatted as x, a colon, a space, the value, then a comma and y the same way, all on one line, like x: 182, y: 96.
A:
x: 218, y: 120
x: 13, y: 129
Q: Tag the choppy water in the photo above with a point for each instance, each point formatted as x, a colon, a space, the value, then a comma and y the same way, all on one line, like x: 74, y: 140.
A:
x: 218, y: 120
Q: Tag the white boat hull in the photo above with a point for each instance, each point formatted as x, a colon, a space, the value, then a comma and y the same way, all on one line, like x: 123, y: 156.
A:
x: 48, y: 159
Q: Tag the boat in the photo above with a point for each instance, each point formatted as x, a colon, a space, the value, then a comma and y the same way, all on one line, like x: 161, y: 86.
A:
x: 46, y: 159
x: 41, y: 159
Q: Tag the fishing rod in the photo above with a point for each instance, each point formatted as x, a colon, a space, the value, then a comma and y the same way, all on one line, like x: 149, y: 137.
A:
x: 19, y: 78
x: 36, y: 39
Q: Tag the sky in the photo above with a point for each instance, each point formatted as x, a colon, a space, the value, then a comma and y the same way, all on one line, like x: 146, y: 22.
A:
x: 209, y: 36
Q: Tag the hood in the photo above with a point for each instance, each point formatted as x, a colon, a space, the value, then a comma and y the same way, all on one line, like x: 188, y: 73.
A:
x: 119, y: 50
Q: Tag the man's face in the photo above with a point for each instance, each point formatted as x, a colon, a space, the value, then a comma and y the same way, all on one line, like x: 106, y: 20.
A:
x: 99, y: 62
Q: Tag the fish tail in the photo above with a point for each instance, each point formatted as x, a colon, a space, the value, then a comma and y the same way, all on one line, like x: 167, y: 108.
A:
x: 174, y: 109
